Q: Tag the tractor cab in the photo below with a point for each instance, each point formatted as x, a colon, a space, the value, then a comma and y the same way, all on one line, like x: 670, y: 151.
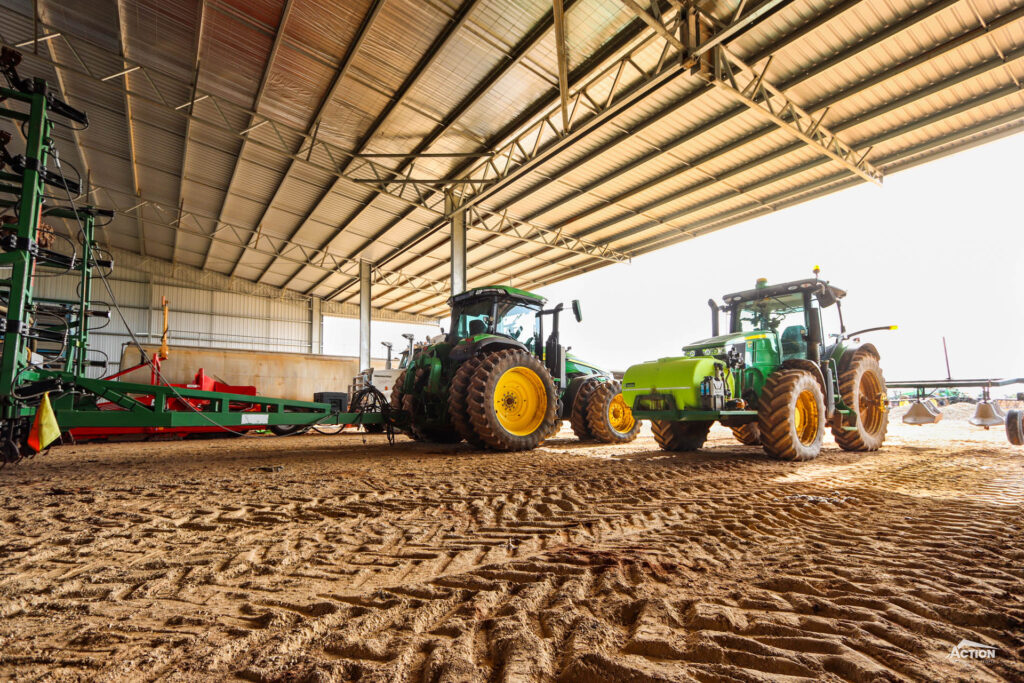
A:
x: 496, y: 311
x: 787, y: 316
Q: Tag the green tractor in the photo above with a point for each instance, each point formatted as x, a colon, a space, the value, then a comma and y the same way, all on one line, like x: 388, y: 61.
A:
x: 497, y: 383
x: 774, y: 378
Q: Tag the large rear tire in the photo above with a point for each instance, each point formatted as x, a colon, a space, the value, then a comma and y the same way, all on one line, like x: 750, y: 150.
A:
x: 862, y: 387
x: 609, y: 418
x: 791, y: 415
x: 512, y: 402
x: 457, y: 402
x: 578, y: 417
x: 680, y: 436
x: 748, y: 434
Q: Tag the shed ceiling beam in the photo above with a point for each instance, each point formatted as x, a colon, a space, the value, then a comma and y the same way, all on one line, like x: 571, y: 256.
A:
x: 361, y: 159
x: 192, y: 223
x: 1013, y: 120
x: 604, y: 70
x: 819, y: 106
x: 562, y: 56
x: 756, y: 92
x: 530, y: 41
x: 1011, y: 123
x: 188, y: 122
x: 798, y: 33
x: 665, y: 239
x: 519, y: 156
x: 875, y: 140
x: 124, y: 75
x: 541, y: 141
x: 339, y: 75
x: 256, y: 103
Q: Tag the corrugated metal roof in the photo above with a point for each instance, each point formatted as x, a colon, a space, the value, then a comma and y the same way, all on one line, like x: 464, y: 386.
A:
x: 268, y: 162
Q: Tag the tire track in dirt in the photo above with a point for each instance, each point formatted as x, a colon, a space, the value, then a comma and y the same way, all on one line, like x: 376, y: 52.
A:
x: 437, y: 563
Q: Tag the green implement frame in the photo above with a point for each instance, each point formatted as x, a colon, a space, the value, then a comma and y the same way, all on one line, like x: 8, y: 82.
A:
x: 78, y: 400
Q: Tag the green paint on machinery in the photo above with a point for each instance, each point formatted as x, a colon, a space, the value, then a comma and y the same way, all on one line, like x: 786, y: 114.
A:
x: 774, y: 377
x: 45, y: 342
x: 495, y: 381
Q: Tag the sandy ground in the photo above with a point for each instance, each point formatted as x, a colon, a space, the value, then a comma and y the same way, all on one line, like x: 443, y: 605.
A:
x: 322, y: 558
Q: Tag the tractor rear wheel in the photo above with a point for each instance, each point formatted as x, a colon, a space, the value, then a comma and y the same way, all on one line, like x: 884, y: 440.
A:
x: 608, y: 416
x: 458, y: 396
x: 512, y: 402
x: 862, y: 387
x: 748, y: 434
x: 680, y: 436
x: 578, y: 418
x: 1015, y: 427
x: 791, y: 415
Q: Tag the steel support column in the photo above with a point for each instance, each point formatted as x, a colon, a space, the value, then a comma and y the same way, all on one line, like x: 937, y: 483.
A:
x: 316, y: 326
x: 364, y: 314
x: 457, y: 228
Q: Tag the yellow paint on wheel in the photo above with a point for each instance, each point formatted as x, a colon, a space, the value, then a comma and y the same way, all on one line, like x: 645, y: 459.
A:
x: 806, y: 417
x: 520, y: 401
x: 620, y: 417
x: 871, y: 408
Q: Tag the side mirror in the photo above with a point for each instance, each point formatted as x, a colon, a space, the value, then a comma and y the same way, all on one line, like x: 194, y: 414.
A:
x: 577, y: 310
x: 826, y: 298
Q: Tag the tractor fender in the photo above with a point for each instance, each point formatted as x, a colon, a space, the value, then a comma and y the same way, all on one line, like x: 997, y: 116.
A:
x: 464, y: 352
x: 815, y: 370
x: 569, y: 397
x: 850, y: 351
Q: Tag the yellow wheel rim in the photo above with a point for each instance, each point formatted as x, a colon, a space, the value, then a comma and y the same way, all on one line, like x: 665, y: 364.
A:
x: 620, y: 417
x: 520, y: 401
x: 871, y: 403
x: 806, y: 418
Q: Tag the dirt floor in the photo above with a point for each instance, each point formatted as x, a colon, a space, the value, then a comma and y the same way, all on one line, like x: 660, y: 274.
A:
x: 324, y: 558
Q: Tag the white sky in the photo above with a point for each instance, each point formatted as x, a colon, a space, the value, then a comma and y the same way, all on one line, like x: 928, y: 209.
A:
x: 936, y: 250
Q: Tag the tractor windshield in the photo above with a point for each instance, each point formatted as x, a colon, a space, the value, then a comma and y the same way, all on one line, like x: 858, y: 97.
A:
x: 518, y: 322
x: 772, y: 313
x: 471, y: 318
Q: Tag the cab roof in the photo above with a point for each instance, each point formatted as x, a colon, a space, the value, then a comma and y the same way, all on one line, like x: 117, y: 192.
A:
x: 502, y: 291
x: 783, y: 288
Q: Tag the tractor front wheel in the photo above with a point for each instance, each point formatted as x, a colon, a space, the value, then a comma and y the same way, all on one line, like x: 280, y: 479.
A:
x: 791, y: 415
x: 680, y: 436
x: 748, y: 434
x: 609, y: 418
x: 512, y: 401
x: 862, y: 387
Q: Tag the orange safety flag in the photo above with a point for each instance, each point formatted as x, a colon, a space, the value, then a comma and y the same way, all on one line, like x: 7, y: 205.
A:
x: 45, y: 429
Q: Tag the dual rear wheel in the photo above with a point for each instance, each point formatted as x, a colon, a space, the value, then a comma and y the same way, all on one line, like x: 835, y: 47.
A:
x: 507, y: 400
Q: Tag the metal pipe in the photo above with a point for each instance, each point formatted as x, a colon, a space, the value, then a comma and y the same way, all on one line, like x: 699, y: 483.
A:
x: 364, y: 314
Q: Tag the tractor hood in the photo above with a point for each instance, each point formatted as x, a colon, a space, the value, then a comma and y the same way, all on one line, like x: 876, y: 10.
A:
x: 717, y: 346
